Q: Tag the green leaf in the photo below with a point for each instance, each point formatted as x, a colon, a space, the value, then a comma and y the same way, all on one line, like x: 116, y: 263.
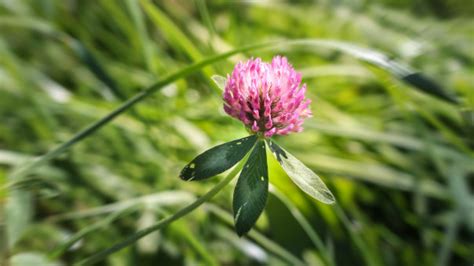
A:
x: 250, y: 194
x: 95, y: 66
x: 220, y: 81
x: 217, y: 159
x: 383, y: 61
x: 427, y: 85
x: 303, y: 177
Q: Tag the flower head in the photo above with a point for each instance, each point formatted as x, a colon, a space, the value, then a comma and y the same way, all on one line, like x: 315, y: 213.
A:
x: 267, y: 97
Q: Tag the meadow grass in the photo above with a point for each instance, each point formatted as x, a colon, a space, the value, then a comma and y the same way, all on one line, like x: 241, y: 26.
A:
x: 103, y: 102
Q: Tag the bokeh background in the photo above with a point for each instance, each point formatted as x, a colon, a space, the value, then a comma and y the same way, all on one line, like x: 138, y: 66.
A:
x: 399, y: 161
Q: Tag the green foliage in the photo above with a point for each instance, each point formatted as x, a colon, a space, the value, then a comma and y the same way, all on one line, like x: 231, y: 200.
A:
x: 303, y: 177
x: 218, y: 159
x: 115, y: 97
x: 250, y: 194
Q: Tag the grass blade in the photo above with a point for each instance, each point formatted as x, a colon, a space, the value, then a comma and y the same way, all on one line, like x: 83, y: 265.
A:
x: 87, y: 230
x: 170, y: 219
x: 139, y: 21
x: 25, y: 169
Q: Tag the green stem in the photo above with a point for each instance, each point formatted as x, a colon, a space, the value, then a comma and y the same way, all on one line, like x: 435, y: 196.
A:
x: 182, y: 212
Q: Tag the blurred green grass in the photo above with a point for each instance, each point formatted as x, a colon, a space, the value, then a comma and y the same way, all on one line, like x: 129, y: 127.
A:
x: 399, y: 161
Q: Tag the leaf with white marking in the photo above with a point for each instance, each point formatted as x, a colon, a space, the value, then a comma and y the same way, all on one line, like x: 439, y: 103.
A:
x: 250, y: 194
x: 217, y: 159
x: 301, y: 175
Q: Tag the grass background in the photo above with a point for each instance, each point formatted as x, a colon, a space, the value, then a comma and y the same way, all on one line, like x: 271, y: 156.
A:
x: 399, y: 161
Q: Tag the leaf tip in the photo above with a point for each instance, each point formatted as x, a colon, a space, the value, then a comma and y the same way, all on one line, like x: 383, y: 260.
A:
x: 241, y: 231
x: 188, y: 173
x: 330, y: 201
x: 327, y: 197
x: 324, y: 196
